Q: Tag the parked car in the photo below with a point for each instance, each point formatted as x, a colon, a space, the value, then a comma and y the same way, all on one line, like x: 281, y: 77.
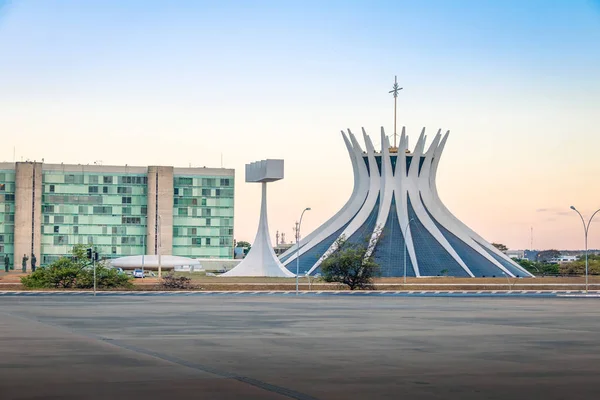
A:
x: 138, y: 273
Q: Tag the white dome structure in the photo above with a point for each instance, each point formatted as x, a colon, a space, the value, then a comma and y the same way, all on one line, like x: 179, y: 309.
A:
x: 395, y: 207
x: 151, y: 261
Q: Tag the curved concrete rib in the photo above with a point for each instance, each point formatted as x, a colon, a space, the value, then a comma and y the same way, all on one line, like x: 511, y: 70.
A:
x: 401, y: 195
x: 338, y: 220
x: 367, y: 207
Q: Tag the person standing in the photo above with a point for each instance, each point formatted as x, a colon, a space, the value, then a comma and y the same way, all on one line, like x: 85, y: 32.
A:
x: 6, y: 262
x: 33, y: 262
x: 24, y: 262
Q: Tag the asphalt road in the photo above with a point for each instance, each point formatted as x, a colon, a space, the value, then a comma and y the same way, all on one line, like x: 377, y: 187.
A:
x: 312, y: 347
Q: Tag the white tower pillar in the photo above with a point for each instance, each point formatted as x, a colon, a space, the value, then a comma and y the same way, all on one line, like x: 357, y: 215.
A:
x: 261, y: 259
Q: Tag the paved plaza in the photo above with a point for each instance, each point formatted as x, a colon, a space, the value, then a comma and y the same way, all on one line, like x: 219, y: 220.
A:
x: 328, y: 347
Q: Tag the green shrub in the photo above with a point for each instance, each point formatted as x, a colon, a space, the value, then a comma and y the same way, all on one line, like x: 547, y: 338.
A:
x: 75, y: 272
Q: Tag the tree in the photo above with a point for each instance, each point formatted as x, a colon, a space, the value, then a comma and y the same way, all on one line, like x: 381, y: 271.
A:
x: 75, y: 272
x: 538, y: 268
x: 351, y: 265
x: 578, y: 267
x: 500, y: 247
x: 547, y: 255
x: 243, y: 243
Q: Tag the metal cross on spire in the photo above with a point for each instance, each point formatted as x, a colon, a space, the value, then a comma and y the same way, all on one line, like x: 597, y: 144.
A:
x: 395, y: 90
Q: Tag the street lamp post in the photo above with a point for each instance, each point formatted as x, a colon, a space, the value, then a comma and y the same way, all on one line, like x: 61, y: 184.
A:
x: 405, y: 246
x: 159, y: 246
x: 586, y: 229
x: 298, y: 247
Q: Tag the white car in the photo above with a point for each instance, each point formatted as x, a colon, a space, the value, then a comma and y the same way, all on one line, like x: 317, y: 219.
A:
x: 138, y: 273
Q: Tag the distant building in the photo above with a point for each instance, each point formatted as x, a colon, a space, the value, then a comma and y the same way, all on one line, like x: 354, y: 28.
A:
x: 45, y: 209
x: 530, y: 255
x: 518, y: 254
x: 563, y: 259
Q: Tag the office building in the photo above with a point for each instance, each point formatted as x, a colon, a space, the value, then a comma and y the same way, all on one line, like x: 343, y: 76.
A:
x: 45, y: 209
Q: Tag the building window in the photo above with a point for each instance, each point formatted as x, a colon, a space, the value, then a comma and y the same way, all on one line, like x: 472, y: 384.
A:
x: 126, y: 211
x: 93, y: 189
x: 206, y: 212
x: 46, y: 219
x: 203, y: 202
x: 76, y: 219
x: 51, y: 188
x: 176, y: 191
x: 107, y: 179
x: 207, y: 221
x: 59, y: 219
x: 126, y: 200
x: 105, y: 189
x: 205, y: 192
x: 113, y: 250
x: 182, y: 212
x: 93, y: 179
x: 185, y: 181
x: 197, y: 241
x: 144, y: 210
x: 75, y: 230
x: 193, y: 231
x: 131, y: 220
x: 48, y: 209
x: 56, y: 229
x: 224, y: 182
x: 208, y: 241
x: 60, y: 240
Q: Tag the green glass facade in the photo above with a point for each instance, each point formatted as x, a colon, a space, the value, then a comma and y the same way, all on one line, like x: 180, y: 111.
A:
x: 117, y: 209
x: 107, y: 210
x: 7, y: 213
x: 203, y: 216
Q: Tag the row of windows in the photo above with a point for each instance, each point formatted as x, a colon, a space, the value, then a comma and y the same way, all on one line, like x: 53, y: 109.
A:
x: 100, y: 210
x: 187, y: 181
x: 7, y: 197
x: 193, y: 231
x: 222, y: 241
x: 74, y: 230
x: 107, y: 180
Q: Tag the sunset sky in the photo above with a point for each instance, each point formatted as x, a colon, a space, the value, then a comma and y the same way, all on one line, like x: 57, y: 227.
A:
x: 148, y: 82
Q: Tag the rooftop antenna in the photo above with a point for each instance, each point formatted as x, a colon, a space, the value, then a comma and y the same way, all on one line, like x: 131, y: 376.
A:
x: 531, y: 245
x: 395, y: 89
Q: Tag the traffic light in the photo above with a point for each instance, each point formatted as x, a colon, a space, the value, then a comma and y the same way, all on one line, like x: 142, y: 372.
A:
x: 96, y: 256
x: 89, y: 254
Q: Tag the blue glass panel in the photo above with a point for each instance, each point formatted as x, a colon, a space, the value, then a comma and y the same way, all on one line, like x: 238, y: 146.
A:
x: 389, y: 252
x: 421, y: 161
x: 478, y: 264
x: 367, y: 164
x: 393, y: 160
x: 516, y: 271
x: 361, y: 235
x: 378, y: 161
x: 432, y: 257
x: 284, y: 259
x: 308, y: 259
x: 408, y: 161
